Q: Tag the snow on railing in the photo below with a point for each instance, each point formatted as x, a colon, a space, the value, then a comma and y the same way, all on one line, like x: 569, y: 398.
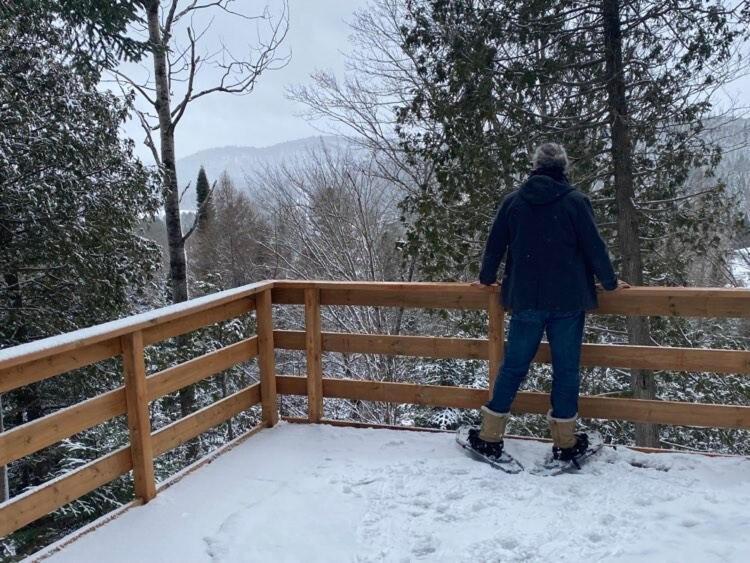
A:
x: 47, y: 358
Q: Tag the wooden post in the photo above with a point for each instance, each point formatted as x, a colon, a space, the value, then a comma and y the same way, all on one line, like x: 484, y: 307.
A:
x: 313, y: 350
x: 139, y: 423
x: 266, y: 362
x: 496, y: 337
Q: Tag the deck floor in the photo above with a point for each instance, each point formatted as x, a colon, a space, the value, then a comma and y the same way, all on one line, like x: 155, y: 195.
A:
x: 321, y: 493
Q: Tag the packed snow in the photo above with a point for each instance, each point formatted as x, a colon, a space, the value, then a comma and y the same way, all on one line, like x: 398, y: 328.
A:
x: 323, y: 493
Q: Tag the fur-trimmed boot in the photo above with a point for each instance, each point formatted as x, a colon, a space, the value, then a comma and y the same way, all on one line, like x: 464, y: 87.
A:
x: 566, y: 444
x: 488, y: 439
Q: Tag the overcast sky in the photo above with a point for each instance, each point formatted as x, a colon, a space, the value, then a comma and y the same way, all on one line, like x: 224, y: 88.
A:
x: 318, y: 35
x: 318, y: 38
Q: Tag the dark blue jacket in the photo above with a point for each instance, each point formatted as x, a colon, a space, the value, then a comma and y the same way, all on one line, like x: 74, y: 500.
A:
x: 554, y: 248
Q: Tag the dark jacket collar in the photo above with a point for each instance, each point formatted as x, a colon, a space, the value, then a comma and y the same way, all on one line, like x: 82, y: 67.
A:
x: 557, y: 174
x: 544, y: 186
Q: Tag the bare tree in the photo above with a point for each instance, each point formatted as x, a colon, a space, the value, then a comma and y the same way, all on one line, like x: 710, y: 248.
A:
x: 178, y: 33
x: 179, y: 58
x: 334, y: 217
x: 379, y: 77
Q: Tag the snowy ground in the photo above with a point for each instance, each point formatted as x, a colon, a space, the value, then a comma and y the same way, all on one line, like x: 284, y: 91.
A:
x: 320, y: 493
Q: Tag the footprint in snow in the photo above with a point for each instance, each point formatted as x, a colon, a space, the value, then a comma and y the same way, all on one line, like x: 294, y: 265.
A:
x: 425, y: 545
x: 393, y: 443
x: 606, y: 519
x: 509, y: 543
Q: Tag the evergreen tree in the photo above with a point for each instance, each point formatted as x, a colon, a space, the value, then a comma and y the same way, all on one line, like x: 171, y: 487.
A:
x: 203, y: 196
x: 202, y: 246
x: 91, y: 33
x: 72, y: 196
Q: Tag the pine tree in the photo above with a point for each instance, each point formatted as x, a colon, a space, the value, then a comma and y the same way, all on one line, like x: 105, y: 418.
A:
x: 203, y: 196
x: 202, y: 247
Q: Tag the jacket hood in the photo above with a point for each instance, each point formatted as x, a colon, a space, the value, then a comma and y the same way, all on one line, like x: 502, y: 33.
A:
x: 541, y: 190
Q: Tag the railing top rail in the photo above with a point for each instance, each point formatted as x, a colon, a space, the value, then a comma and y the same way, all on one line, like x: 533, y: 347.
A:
x: 636, y: 301
x: 463, y: 287
x: 452, y: 287
x: 687, y: 301
x: 23, y: 353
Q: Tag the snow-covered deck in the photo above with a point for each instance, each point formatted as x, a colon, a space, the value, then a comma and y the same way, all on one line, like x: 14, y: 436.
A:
x: 320, y: 493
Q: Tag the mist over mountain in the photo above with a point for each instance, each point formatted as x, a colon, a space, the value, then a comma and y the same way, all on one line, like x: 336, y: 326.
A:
x: 243, y: 163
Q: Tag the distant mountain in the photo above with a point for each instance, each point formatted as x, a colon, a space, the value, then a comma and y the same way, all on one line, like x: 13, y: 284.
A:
x: 244, y: 162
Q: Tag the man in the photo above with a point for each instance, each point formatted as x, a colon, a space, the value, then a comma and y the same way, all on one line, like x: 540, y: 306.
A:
x: 554, y: 250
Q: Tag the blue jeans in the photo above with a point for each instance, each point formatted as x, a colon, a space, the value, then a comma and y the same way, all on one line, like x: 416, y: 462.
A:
x: 565, y: 334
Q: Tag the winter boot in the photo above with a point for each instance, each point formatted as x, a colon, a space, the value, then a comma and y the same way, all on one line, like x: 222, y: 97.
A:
x: 566, y: 444
x: 488, y: 440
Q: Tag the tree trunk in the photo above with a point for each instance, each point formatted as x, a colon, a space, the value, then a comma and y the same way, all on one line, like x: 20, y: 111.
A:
x: 644, y: 386
x: 177, y: 268
x: 170, y: 190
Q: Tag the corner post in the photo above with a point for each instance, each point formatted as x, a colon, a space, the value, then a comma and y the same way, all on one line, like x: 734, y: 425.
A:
x: 266, y: 360
x: 495, y: 336
x: 139, y: 423
x: 313, y: 348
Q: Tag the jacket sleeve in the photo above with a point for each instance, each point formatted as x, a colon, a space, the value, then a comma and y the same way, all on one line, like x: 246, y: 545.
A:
x: 496, y: 246
x: 594, y: 247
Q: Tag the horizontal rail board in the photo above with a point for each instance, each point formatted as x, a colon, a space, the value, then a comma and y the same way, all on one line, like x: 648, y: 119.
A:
x: 633, y: 410
x: 421, y: 346
x: 676, y: 301
x: 84, y: 337
x: 387, y: 298
x: 49, y: 366
x: 373, y: 425
x: 42, y: 432
x: 198, y: 422
x: 45, y: 367
x: 184, y: 374
x: 636, y: 301
x: 40, y: 501
x: 197, y: 320
x: 606, y: 355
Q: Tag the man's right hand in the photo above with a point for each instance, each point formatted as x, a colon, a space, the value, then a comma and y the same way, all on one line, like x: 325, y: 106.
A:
x: 484, y: 286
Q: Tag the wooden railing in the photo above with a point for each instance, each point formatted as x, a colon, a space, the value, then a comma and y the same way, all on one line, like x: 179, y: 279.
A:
x: 30, y: 363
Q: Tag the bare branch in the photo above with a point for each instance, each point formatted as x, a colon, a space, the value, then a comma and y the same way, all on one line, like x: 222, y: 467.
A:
x: 184, y: 191
x: 199, y: 212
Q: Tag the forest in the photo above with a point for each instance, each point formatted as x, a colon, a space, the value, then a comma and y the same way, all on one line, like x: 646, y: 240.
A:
x: 441, y: 106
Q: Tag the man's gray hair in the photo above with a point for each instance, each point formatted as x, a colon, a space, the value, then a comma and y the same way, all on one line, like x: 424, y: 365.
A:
x: 550, y: 155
